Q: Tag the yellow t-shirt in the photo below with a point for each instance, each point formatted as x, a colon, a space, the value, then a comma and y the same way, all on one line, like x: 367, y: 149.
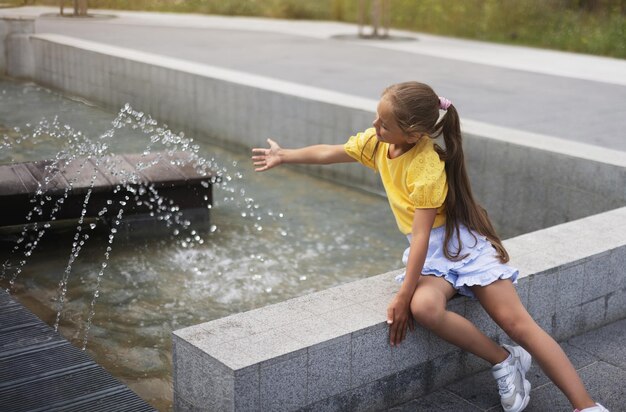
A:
x: 414, y: 180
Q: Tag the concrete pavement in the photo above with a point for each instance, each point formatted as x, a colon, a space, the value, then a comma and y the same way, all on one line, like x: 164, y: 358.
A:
x: 571, y: 96
x: 598, y: 356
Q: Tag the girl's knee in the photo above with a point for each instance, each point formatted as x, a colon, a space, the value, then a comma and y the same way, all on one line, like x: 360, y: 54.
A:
x: 517, y: 326
x: 427, y: 312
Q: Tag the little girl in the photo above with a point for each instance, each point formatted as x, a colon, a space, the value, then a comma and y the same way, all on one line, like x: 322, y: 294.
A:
x: 453, y: 245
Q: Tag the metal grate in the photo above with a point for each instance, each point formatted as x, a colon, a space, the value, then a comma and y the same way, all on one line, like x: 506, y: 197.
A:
x: 41, y: 371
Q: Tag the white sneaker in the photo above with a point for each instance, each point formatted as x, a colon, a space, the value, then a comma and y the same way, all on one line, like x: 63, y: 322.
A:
x: 510, y: 374
x: 597, y: 408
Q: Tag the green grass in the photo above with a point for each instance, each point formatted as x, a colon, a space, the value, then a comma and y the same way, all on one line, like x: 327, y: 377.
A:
x: 584, y: 26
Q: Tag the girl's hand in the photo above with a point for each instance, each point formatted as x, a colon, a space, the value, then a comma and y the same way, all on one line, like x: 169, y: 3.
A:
x: 265, y: 159
x: 399, y: 318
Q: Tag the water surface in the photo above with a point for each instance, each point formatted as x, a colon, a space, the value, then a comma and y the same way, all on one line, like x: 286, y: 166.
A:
x: 276, y: 235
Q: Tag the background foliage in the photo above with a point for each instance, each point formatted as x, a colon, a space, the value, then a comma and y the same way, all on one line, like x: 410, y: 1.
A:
x: 586, y: 26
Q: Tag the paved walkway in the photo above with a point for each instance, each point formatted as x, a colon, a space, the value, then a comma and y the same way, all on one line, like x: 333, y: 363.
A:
x: 572, y: 96
x: 598, y: 355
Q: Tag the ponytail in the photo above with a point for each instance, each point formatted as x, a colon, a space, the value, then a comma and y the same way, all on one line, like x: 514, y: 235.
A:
x: 461, y: 208
x: 417, y: 109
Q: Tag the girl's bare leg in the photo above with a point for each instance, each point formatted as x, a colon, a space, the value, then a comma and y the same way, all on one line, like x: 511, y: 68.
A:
x: 428, y: 307
x: 501, y: 302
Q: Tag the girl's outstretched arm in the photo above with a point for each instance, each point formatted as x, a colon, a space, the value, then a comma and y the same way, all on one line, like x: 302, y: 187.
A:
x: 399, y: 315
x: 265, y: 159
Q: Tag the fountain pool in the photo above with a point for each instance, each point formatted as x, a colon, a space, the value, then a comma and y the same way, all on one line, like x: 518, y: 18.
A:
x: 271, y: 238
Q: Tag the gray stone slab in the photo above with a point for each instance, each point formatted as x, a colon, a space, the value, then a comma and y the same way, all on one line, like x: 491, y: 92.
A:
x: 542, y: 294
x: 283, y: 384
x: 604, y: 382
x: 593, y: 313
x: 618, y: 268
x: 369, y: 397
x: 441, y: 400
x: 412, y: 351
x: 328, y: 371
x: 616, y: 305
x: 325, y: 301
x: 181, y: 405
x: 568, y: 322
x: 200, y: 380
x: 607, y: 343
x: 479, y: 389
x: 409, y: 383
x: 316, y: 332
x: 356, y: 319
x: 332, y: 404
x: 445, y: 369
x: 597, y: 280
x: 370, y: 357
x: 569, y: 287
x: 272, y: 347
x: 247, y: 390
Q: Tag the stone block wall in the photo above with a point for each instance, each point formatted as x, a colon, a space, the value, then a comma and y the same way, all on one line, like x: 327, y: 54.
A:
x: 329, y: 351
x: 526, y: 181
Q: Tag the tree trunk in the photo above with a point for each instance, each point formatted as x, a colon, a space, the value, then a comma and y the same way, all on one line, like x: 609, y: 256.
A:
x: 61, y: 4
x: 361, y: 16
x: 376, y: 9
x: 82, y: 7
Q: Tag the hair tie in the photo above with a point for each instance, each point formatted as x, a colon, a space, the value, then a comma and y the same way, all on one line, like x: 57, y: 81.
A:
x: 444, y: 103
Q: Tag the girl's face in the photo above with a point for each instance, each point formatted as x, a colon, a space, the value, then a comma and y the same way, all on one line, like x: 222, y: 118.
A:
x: 387, y: 129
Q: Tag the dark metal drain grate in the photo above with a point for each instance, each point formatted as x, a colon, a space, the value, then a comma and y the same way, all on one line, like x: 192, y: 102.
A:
x: 41, y: 371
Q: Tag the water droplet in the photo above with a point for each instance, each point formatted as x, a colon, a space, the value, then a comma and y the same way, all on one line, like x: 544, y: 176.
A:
x: 92, y: 226
x: 213, y: 228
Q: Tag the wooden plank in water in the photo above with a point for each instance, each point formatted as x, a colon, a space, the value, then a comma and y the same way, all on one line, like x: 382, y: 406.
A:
x: 49, y: 175
x: 116, y: 169
x: 160, y: 173
x: 186, y: 166
x: 26, y: 177
x: 10, y: 182
x: 81, y: 173
x: 179, y: 183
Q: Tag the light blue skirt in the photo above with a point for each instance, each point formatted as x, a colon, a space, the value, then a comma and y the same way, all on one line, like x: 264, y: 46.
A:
x: 480, y: 267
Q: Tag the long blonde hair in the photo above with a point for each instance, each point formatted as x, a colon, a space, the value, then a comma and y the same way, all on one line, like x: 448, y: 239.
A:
x: 416, y: 109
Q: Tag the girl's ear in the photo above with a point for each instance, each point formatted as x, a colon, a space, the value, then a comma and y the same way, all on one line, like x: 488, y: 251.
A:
x: 413, y: 137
